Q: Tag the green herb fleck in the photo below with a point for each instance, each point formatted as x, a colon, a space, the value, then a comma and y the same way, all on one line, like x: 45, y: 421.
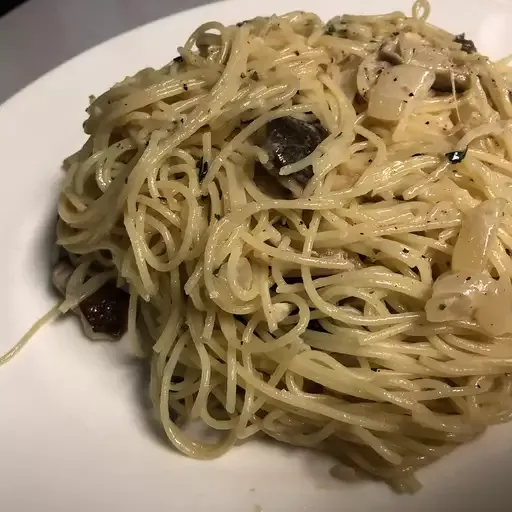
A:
x: 442, y: 307
x: 217, y: 216
x: 456, y: 157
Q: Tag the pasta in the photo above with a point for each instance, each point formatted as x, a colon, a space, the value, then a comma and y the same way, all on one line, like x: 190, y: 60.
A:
x: 355, y: 298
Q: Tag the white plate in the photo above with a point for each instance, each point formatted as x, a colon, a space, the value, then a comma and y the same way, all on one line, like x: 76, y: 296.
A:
x: 74, y: 434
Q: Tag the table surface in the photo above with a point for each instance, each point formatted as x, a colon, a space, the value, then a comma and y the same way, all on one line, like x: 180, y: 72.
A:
x: 41, y: 34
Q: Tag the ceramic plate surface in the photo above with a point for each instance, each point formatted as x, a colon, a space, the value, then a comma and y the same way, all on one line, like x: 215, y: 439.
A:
x: 74, y: 434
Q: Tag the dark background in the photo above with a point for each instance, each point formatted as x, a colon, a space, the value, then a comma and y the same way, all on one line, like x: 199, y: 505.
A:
x: 7, y: 5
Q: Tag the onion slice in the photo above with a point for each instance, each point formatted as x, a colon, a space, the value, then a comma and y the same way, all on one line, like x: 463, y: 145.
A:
x: 397, y: 88
x: 476, y: 234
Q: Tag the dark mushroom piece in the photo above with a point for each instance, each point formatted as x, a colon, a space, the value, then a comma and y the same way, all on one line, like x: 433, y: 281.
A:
x: 288, y: 140
x: 106, y: 310
x: 314, y: 325
x: 268, y: 184
x: 467, y: 45
x: 389, y: 52
x: 104, y: 313
x: 443, y: 82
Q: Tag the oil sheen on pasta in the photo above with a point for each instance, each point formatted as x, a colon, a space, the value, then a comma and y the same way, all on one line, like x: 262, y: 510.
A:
x: 363, y: 309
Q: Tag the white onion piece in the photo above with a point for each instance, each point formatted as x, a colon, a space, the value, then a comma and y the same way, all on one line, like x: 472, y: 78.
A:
x: 476, y: 234
x: 281, y: 311
x: 415, y: 50
x: 396, y: 88
x: 458, y: 296
x: 368, y: 73
x: 495, y: 311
